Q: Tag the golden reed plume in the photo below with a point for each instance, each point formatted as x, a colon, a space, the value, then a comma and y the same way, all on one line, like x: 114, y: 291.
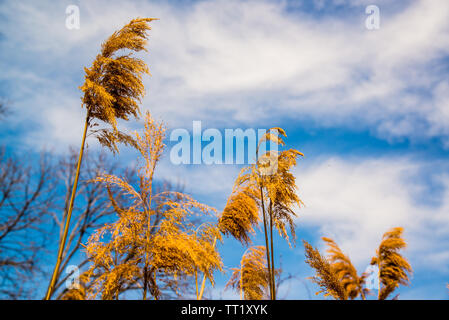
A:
x: 113, y: 84
x: 345, y: 271
x: 112, y: 89
x: 337, y: 276
x: 240, y: 214
x: 325, y: 275
x: 252, y: 277
x: 154, y: 242
x: 266, y: 188
x: 393, y: 267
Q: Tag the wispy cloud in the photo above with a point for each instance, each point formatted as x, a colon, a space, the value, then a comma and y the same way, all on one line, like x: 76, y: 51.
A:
x: 249, y: 61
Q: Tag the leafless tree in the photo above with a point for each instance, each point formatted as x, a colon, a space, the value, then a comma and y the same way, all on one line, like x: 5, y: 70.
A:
x: 25, y: 198
x: 34, y: 198
x: 33, y: 201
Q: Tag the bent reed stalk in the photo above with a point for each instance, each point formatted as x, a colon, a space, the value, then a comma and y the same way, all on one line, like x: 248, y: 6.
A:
x: 112, y: 89
x: 69, y: 214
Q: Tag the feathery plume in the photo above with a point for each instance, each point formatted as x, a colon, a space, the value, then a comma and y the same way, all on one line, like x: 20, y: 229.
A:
x: 252, y: 277
x: 345, y: 270
x: 153, y: 243
x: 393, y: 267
x: 113, y: 85
x: 240, y: 214
x: 266, y: 188
x: 325, y: 275
x: 112, y: 88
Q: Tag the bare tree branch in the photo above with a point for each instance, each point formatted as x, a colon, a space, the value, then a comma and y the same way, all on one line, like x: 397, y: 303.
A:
x: 25, y: 198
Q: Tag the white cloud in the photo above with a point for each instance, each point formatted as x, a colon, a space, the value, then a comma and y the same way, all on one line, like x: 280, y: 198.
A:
x: 248, y: 61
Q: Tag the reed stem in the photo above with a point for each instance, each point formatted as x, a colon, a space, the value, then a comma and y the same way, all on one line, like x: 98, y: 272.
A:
x: 273, y: 282
x: 69, y: 215
x: 203, y: 284
x: 266, y: 243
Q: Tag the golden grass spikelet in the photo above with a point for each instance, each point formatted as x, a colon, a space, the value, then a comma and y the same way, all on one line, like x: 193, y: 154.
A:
x: 325, y: 275
x: 152, y: 244
x: 267, y: 189
x: 179, y: 251
x: 251, y: 279
x: 240, y: 214
x: 113, y: 84
x: 394, y: 269
x: 273, y: 135
x: 282, y: 193
x: 345, y: 270
x: 112, y: 90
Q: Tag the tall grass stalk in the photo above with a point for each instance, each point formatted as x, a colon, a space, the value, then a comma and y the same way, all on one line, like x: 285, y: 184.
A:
x: 112, y: 89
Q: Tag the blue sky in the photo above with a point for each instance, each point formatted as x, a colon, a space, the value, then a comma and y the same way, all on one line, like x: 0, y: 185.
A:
x: 368, y: 108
